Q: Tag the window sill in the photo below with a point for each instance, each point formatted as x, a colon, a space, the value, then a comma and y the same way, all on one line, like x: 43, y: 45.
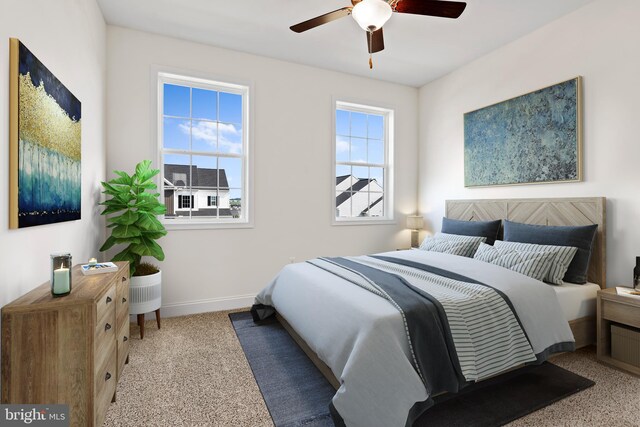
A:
x: 174, y: 226
x: 364, y: 222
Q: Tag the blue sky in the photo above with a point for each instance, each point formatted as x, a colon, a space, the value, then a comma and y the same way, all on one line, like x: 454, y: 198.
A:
x: 214, y: 122
x: 359, y: 138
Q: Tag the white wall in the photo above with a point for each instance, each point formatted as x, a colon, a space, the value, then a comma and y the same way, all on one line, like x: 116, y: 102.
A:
x: 292, y: 126
x: 599, y: 42
x: 69, y: 37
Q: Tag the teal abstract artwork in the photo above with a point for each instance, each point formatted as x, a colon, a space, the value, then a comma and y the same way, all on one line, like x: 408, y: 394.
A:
x: 533, y: 138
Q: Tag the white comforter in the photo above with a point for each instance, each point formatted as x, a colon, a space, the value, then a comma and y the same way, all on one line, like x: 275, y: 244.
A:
x: 361, y: 336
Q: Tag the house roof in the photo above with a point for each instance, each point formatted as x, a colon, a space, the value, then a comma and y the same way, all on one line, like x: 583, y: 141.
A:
x: 339, y: 179
x: 359, y: 185
x: 179, y: 176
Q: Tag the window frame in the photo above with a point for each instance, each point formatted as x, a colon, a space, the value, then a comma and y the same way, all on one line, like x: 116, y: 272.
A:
x: 388, y: 176
x: 162, y: 76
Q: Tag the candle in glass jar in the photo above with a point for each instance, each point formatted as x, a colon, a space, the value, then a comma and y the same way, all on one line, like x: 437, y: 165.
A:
x: 61, y: 281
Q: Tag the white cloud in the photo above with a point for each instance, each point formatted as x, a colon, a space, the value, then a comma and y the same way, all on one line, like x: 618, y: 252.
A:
x: 209, y: 131
x: 342, y: 144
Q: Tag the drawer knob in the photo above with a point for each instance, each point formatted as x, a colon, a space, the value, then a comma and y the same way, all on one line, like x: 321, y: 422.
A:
x: 107, y: 377
x: 107, y: 327
x: 109, y: 300
x: 124, y: 279
x: 124, y: 300
x: 125, y: 339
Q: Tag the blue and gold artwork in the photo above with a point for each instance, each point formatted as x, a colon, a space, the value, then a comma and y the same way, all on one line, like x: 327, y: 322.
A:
x: 45, y: 150
x: 534, y: 138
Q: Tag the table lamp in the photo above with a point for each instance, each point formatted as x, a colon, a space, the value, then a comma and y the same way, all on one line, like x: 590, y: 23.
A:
x: 415, y: 224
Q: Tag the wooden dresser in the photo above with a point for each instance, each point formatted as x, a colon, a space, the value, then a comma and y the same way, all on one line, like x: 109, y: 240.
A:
x: 68, y: 350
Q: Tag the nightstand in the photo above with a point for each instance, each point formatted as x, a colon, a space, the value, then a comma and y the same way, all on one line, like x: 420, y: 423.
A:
x: 617, y: 310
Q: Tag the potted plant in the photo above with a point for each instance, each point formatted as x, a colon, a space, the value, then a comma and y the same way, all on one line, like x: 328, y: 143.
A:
x: 133, y: 207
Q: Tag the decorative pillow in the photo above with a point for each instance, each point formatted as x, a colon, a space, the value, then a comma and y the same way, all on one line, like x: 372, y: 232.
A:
x: 452, y: 244
x: 488, y: 229
x: 535, y: 264
x: 580, y: 237
x: 562, y: 257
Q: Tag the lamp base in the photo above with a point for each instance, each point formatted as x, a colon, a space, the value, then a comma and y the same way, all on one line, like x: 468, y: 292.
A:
x: 414, y: 238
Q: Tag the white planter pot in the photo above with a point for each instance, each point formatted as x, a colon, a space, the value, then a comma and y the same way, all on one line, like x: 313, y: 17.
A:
x: 145, y: 293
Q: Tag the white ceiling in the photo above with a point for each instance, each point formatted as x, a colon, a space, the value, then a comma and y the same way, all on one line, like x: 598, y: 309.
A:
x: 419, y: 49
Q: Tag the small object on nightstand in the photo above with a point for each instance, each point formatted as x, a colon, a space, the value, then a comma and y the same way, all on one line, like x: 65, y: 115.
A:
x: 92, y: 261
x: 627, y: 291
x: 415, y: 223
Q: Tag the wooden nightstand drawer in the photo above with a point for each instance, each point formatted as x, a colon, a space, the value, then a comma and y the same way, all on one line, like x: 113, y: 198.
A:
x: 621, y: 313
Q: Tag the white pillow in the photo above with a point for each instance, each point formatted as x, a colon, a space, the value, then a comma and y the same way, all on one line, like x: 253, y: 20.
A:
x: 563, y: 255
x: 452, y: 244
x: 532, y: 263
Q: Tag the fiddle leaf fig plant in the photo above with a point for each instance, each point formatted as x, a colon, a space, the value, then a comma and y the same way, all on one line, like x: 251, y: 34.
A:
x: 132, y: 207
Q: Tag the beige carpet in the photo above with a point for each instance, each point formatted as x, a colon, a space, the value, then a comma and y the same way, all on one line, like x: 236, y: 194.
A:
x: 193, y: 372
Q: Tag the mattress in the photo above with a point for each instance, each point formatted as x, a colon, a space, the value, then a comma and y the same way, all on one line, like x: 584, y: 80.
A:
x: 577, y: 300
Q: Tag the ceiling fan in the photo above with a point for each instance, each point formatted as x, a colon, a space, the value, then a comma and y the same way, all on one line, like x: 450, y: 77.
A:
x: 371, y: 15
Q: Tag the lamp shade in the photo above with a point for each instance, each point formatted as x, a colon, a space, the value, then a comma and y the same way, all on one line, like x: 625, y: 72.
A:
x: 371, y: 15
x: 415, y: 222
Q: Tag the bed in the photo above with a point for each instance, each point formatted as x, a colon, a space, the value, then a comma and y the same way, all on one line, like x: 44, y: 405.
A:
x: 362, y: 349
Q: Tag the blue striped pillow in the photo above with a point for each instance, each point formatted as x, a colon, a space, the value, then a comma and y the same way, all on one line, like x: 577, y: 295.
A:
x: 452, y: 244
x: 563, y: 255
x: 532, y: 263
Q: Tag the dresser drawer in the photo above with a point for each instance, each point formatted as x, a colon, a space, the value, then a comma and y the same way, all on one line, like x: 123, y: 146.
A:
x: 104, y: 386
x: 122, y: 282
x: 105, y: 338
x: 122, y: 304
x: 106, y: 304
x: 123, y: 346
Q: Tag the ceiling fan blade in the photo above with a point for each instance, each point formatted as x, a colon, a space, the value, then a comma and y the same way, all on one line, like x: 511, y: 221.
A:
x: 322, y: 19
x: 375, y: 41
x: 443, y: 9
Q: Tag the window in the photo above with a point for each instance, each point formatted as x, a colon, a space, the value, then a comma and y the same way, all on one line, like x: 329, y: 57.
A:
x: 363, y: 163
x: 185, y: 202
x: 203, y: 150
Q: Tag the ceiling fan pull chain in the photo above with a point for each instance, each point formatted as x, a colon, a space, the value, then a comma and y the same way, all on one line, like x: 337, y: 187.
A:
x: 370, y: 44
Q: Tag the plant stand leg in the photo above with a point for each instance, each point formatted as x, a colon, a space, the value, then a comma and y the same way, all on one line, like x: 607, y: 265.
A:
x: 141, y: 324
x: 158, y: 317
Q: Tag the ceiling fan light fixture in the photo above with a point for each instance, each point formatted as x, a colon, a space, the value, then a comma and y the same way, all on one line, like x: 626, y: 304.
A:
x: 371, y: 15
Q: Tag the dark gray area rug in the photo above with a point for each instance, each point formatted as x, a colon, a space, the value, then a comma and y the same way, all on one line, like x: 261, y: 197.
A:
x: 297, y: 394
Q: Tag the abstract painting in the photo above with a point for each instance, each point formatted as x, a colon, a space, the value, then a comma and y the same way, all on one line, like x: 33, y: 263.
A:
x: 533, y: 138
x: 44, y: 144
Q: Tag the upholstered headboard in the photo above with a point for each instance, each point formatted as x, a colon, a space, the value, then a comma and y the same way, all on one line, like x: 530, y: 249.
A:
x: 560, y: 211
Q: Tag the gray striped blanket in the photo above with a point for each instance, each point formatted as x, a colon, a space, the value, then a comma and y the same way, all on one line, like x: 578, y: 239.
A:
x: 485, y: 332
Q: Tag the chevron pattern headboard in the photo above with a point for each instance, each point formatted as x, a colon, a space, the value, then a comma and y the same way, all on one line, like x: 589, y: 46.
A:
x: 561, y: 211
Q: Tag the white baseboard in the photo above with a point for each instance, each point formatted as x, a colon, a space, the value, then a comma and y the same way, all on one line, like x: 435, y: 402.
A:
x: 205, y: 305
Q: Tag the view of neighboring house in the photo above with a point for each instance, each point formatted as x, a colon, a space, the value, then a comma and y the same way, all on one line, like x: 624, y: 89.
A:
x: 203, y: 192
x: 358, y: 197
